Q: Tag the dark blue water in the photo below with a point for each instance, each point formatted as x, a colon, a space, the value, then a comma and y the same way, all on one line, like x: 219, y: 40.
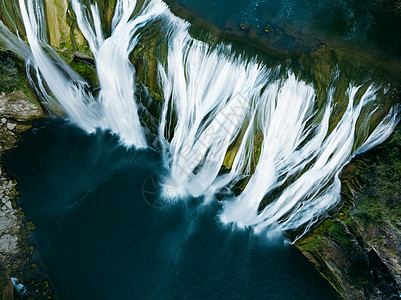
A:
x: 98, y: 236
x: 367, y: 25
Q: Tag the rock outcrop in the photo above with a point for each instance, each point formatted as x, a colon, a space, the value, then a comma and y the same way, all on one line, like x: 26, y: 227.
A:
x: 358, y: 249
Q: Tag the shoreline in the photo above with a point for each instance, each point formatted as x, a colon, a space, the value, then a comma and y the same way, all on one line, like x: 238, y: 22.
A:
x: 17, y: 115
x: 19, y: 108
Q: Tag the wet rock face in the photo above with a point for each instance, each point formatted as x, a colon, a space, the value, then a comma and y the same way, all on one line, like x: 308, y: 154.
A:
x: 350, y: 265
x: 359, y: 250
x: 149, y: 111
x: 377, y: 209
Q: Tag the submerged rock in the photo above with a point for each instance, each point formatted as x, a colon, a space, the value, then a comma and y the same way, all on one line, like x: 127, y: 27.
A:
x: 268, y: 29
x: 244, y: 26
x: 230, y: 25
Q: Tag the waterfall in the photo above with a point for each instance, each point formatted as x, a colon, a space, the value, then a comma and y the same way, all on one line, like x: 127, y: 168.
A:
x: 316, y: 164
x: 211, y: 95
x: 284, y: 146
x: 61, y: 88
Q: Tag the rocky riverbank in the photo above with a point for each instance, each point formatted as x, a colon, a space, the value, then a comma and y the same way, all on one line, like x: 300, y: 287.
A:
x: 17, y: 112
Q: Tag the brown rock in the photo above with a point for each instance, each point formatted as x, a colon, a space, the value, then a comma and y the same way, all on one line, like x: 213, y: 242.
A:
x: 16, y: 106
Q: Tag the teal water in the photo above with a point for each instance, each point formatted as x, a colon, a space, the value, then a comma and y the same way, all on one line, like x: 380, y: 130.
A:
x: 366, y: 25
x: 101, y: 232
